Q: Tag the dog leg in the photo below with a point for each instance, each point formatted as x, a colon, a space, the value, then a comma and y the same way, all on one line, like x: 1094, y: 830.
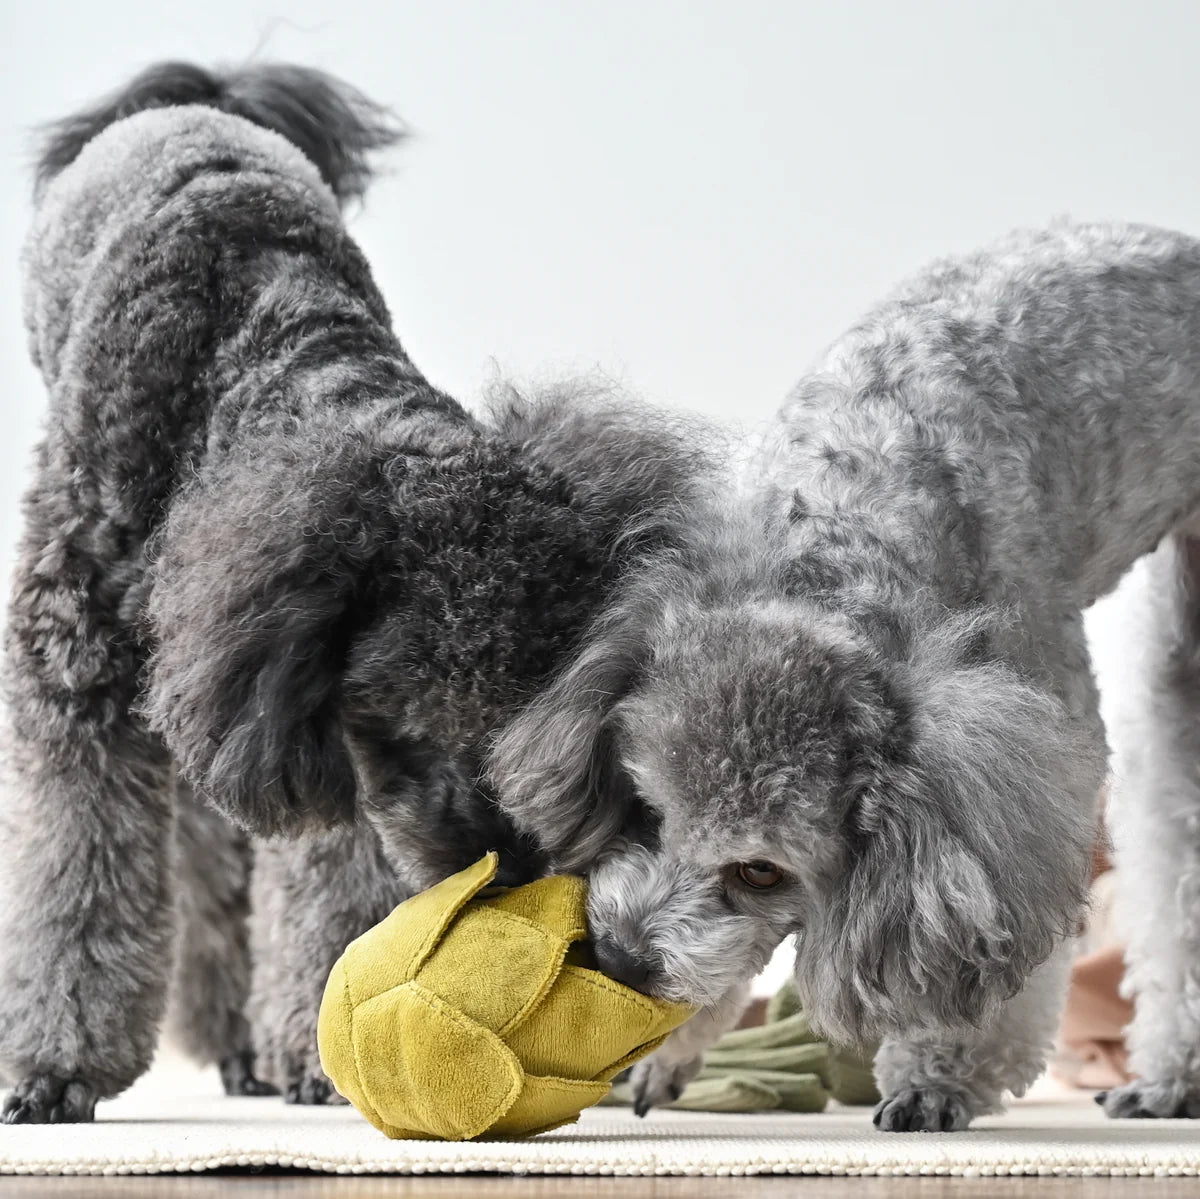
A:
x: 1154, y: 718
x: 211, y: 983
x: 934, y: 1083
x: 311, y: 898
x: 86, y: 821
x: 662, y: 1076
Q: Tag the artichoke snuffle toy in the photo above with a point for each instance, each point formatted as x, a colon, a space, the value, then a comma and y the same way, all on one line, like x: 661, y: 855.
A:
x: 468, y: 1013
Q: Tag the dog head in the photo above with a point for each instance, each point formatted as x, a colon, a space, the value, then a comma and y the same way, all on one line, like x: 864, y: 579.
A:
x: 736, y: 773
x: 343, y: 606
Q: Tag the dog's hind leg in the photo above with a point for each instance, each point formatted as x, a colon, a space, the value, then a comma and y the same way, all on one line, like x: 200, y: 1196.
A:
x: 86, y: 822
x: 211, y: 983
x: 933, y: 1083
x: 311, y: 898
x: 1153, y: 712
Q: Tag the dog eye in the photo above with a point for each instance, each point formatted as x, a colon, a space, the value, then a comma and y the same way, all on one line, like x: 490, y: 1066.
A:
x: 762, y: 876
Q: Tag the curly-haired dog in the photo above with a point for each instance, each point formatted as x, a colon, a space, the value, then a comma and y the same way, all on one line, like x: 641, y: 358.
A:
x: 310, y: 897
x: 874, y: 686
x: 262, y: 555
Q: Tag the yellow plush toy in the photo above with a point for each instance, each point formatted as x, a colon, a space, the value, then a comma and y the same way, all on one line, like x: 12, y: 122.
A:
x: 466, y: 1014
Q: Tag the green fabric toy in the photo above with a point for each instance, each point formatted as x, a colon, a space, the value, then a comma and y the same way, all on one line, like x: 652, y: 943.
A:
x: 776, y: 1065
x: 468, y: 1013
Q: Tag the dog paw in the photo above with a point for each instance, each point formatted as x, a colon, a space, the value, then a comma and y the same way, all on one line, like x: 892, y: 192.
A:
x: 922, y: 1109
x: 238, y: 1077
x: 1146, y: 1100
x: 49, y: 1099
x: 312, y: 1090
x: 659, y: 1081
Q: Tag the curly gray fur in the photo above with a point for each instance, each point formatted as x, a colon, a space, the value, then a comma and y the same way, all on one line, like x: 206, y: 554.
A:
x: 874, y: 676
x: 209, y: 992
x: 310, y: 898
x: 262, y: 551
x: 177, y: 257
x: 333, y: 124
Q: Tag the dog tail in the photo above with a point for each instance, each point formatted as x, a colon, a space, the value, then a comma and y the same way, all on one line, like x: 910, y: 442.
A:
x: 332, y: 123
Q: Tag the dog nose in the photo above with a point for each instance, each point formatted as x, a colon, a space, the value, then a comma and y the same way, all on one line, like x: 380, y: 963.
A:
x: 515, y: 872
x: 622, y: 964
x: 520, y: 863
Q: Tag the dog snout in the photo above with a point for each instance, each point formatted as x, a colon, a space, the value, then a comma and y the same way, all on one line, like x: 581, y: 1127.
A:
x: 625, y: 965
x: 515, y: 870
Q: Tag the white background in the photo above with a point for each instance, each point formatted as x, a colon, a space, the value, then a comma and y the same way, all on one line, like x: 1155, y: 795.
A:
x: 692, y: 197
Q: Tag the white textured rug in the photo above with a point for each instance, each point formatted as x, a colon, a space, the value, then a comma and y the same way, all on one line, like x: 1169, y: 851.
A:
x: 185, y: 1126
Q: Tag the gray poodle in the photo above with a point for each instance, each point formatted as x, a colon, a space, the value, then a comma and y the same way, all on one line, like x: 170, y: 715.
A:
x: 268, y: 571
x: 864, y: 713
x: 851, y: 701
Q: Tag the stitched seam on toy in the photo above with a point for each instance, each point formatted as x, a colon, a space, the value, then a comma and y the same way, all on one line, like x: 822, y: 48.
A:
x: 601, y: 982
x: 548, y: 979
x: 513, y: 918
x: 361, y: 1088
x: 578, y: 890
x: 570, y: 1086
x: 438, y: 931
x: 630, y: 1059
x: 558, y: 948
x: 576, y: 931
x: 432, y: 1002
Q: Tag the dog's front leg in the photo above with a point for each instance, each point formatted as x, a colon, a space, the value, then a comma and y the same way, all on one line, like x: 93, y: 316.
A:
x: 311, y: 898
x: 939, y: 1083
x: 662, y: 1077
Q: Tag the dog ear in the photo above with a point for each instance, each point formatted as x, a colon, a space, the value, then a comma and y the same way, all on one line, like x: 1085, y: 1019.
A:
x: 250, y: 613
x: 966, y: 861
x: 556, y: 767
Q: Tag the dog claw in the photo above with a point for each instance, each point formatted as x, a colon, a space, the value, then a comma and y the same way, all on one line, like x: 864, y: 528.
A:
x: 49, y: 1099
x: 656, y: 1082
x: 312, y: 1091
x: 921, y: 1109
x: 238, y: 1077
x: 1145, y: 1100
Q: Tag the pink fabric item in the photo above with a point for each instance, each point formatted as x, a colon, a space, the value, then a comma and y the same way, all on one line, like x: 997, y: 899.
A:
x: 1091, y: 1038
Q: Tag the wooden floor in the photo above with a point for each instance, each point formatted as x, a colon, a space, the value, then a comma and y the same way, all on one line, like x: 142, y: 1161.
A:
x: 287, y: 1186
